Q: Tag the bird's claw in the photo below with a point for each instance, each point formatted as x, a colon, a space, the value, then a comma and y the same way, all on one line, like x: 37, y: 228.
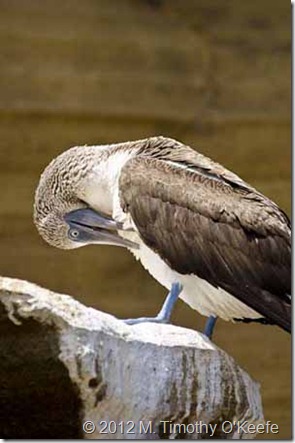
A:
x: 135, y: 321
x: 165, y: 312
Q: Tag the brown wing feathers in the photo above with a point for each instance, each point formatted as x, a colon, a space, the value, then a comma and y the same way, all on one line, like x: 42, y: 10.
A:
x: 235, y: 240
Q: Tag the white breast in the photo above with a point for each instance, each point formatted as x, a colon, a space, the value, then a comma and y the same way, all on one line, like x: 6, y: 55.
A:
x: 197, y: 293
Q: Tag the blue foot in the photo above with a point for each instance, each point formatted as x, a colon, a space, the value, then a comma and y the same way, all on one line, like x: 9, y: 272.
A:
x: 166, y: 310
x: 209, y: 327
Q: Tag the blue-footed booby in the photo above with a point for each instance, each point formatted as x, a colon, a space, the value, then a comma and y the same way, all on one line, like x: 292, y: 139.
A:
x: 199, y: 229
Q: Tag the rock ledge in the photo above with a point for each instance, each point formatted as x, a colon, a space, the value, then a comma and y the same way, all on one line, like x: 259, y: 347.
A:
x: 69, y: 371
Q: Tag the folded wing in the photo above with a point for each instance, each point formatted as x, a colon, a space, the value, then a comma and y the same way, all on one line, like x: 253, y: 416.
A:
x: 204, y: 220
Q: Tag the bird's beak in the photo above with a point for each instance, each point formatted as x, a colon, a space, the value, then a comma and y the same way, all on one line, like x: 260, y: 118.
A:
x: 92, y: 227
x: 92, y: 219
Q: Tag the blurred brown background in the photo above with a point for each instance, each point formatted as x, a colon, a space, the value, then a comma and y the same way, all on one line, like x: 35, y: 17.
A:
x: 214, y: 74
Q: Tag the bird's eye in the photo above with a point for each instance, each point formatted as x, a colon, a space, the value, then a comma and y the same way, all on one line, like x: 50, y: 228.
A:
x: 74, y: 233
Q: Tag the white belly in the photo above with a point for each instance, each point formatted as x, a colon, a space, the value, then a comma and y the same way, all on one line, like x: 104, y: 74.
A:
x: 197, y: 293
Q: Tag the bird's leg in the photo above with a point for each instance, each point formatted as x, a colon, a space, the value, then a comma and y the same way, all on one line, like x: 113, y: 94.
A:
x: 168, y: 305
x: 209, y: 327
x: 166, y: 310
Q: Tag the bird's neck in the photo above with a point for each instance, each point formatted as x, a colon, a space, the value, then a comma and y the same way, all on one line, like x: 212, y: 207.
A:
x: 100, y: 187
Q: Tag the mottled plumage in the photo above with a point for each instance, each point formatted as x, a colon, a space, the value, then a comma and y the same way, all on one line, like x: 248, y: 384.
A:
x: 190, y: 217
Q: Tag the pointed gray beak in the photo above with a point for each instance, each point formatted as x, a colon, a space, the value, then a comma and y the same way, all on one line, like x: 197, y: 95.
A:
x: 88, y: 226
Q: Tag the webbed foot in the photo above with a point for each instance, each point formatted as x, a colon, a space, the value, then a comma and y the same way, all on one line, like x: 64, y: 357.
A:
x: 166, y: 310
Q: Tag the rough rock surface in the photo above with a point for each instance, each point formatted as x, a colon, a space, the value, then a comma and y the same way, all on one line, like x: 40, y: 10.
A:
x: 63, y: 364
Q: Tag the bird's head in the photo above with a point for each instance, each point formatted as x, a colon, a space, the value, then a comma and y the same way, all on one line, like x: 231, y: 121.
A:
x: 62, y: 218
